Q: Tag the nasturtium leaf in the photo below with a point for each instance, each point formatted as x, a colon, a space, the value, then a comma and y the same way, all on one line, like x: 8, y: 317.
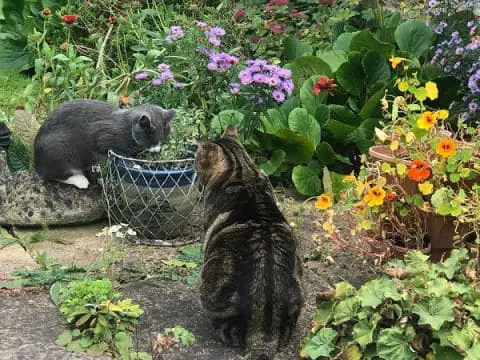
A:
x: 394, y: 343
x: 321, y: 345
x: 434, y: 312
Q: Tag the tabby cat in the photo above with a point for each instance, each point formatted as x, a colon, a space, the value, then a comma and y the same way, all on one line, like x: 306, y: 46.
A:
x: 251, y: 277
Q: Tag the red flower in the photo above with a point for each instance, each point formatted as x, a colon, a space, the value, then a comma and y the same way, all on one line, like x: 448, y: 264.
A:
x: 69, y: 18
x: 295, y: 14
x: 112, y: 19
x: 325, y: 2
x: 279, y: 2
x: 392, y: 195
x: 419, y: 171
x: 323, y: 84
x: 276, y: 28
x: 46, y: 11
x: 239, y: 15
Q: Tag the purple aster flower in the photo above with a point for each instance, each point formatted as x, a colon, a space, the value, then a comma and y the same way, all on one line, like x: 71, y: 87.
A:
x: 279, y: 96
x: 163, y: 67
x: 447, y: 69
x: 166, y: 75
x: 288, y: 86
x: 464, y: 116
x: 177, y: 85
x: 212, y: 66
x: 470, y: 24
x: 175, y: 32
x: 457, y: 65
x: 438, y: 29
x: 214, y: 41
x: 459, y: 50
x: 260, y: 78
x: 436, y: 12
x: 234, y: 88
x: 201, y: 24
x: 473, y: 82
x: 273, y: 81
x: 432, y: 3
x: 473, y: 106
x: 141, y: 76
x: 157, y: 82
x: 258, y: 99
x: 474, y: 45
x: 217, y: 31
x: 285, y: 74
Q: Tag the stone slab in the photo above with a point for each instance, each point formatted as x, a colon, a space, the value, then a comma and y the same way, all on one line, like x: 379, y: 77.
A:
x: 14, y: 257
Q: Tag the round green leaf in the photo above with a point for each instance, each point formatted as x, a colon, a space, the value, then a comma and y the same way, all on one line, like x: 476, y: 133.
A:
x: 344, y: 115
x: 334, y: 58
x: 364, y: 40
x: 376, y: 68
x: 298, y: 149
x: 306, y: 180
x: 309, y: 100
x: 350, y: 75
x: 294, y: 48
x: 225, y: 118
x: 307, y: 66
x: 414, y: 36
x: 343, y: 42
x: 325, y: 154
x: 304, y: 124
x: 64, y: 338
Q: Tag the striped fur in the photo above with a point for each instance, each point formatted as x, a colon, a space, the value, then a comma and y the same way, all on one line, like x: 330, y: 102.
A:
x: 250, y: 280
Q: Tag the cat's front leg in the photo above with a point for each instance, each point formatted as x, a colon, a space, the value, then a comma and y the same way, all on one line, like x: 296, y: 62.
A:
x: 77, y: 179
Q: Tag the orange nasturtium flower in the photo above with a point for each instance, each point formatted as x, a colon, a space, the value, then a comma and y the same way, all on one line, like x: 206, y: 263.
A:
x: 374, y: 196
x: 392, y: 195
x: 323, y: 202
x: 395, y: 61
x: 446, y: 148
x: 123, y: 100
x: 426, y: 120
x: 419, y: 171
x: 361, y: 209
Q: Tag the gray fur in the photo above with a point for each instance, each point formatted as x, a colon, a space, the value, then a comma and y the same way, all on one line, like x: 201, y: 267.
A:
x: 75, y: 134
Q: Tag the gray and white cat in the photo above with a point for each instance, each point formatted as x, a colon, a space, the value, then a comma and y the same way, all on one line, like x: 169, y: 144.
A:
x: 75, y: 134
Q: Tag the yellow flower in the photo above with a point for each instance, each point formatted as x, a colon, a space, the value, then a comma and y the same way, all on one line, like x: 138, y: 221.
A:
x: 403, y: 86
x: 446, y: 148
x: 425, y: 188
x: 374, y: 196
x: 349, y: 178
x: 426, y: 120
x: 394, y: 145
x: 395, y: 61
x: 328, y: 227
x: 323, y: 202
x: 401, y: 169
x: 432, y: 90
x: 410, y: 137
x: 441, y: 114
x: 381, y: 135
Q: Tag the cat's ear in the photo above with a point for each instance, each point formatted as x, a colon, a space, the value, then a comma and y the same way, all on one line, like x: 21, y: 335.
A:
x: 231, y: 131
x: 144, y: 122
x: 169, y: 114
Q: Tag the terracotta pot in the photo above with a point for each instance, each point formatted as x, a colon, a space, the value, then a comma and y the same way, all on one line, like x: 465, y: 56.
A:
x: 379, y: 244
x: 384, y: 153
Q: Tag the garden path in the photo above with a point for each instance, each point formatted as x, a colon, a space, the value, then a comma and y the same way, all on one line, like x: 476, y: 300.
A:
x: 29, y: 320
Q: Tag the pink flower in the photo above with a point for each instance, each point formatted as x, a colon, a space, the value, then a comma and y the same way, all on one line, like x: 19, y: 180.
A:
x: 276, y: 28
x: 239, y: 15
x: 279, y: 2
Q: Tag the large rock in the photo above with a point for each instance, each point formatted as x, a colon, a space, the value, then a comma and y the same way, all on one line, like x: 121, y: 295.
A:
x: 26, y: 200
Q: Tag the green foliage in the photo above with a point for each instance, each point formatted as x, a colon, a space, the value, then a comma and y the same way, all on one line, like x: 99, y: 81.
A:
x: 99, y: 321
x: 18, y: 156
x: 185, y: 267
x: 184, y: 336
x: 11, y: 86
x: 426, y: 310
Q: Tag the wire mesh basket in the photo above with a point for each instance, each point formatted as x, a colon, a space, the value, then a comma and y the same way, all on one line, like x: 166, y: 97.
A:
x: 160, y: 200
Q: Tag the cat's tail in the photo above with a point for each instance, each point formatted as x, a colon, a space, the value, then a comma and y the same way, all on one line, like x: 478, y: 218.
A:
x: 260, y: 346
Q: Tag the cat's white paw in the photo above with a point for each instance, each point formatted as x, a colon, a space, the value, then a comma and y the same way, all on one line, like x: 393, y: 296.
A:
x: 79, y: 181
x: 154, y: 149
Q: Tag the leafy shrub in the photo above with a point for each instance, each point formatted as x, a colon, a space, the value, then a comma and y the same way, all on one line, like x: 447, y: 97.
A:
x: 100, y: 321
x: 421, y: 310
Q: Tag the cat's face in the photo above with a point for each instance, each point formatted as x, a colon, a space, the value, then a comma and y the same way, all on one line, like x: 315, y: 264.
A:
x: 151, y: 126
x: 210, y: 160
